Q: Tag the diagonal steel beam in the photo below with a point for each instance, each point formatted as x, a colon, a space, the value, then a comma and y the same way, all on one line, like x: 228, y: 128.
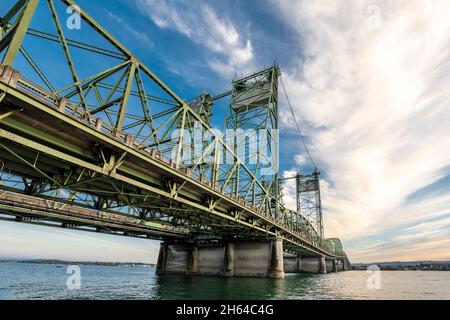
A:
x: 36, y: 69
x: 66, y: 50
x: 126, y: 98
x: 11, y: 13
x: 91, y: 21
x: 19, y: 30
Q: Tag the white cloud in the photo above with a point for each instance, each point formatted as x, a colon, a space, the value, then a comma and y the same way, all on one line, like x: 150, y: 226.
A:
x: 200, y: 23
x: 289, y: 190
x: 300, y: 160
x: 372, y: 86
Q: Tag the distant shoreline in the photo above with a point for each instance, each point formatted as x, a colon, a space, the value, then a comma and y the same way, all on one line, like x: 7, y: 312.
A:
x: 384, y: 266
x: 90, y: 263
x: 406, y: 266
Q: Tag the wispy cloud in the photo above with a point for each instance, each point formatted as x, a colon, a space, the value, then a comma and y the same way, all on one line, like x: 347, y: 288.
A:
x: 201, y: 23
x: 141, y: 37
x: 372, y: 86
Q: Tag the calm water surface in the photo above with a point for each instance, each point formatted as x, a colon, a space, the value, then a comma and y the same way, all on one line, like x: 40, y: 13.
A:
x: 41, y: 281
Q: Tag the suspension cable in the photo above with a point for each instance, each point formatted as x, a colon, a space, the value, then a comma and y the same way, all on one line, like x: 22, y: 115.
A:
x: 300, y: 131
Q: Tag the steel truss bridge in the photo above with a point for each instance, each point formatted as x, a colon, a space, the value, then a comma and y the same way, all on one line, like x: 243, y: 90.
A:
x: 92, y: 139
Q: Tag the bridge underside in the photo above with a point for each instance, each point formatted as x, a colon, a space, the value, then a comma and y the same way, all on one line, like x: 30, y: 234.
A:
x: 41, y: 211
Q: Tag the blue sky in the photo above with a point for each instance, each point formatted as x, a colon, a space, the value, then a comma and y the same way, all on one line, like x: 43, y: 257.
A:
x: 368, y: 80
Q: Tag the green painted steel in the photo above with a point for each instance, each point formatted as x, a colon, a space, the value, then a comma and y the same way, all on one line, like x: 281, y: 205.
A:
x: 14, y: 37
x: 253, y: 115
x: 119, y: 141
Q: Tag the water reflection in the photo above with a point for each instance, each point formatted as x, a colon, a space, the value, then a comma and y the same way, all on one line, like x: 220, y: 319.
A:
x: 213, y: 288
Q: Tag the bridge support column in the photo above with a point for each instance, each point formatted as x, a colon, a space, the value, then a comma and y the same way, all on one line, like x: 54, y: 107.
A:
x: 194, y: 261
x: 293, y: 264
x: 276, y: 264
x: 260, y: 258
x: 228, y: 267
x: 346, y: 265
x: 161, y: 265
x: 323, y: 265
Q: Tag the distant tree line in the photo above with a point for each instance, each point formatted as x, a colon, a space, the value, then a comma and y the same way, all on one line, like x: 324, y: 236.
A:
x: 419, y: 266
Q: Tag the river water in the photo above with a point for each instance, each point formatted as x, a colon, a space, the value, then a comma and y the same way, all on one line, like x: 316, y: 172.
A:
x: 44, y: 281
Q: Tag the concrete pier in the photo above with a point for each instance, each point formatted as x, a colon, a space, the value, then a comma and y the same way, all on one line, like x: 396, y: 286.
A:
x: 292, y: 264
x: 297, y: 264
x: 346, y: 266
x: 276, y: 260
x: 240, y: 259
x: 228, y: 265
x: 194, y: 263
x: 237, y: 258
x: 329, y: 264
x: 323, y: 265
x: 310, y: 265
x: 161, y: 265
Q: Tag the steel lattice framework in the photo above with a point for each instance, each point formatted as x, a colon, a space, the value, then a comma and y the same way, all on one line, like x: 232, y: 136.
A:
x: 308, y: 200
x: 252, y: 121
x: 104, y: 141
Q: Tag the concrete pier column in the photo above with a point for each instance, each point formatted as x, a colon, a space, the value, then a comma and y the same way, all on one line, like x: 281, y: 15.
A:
x: 335, y: 266
x: 194, y: 261
x: 228, y: 261
x: 323, y: 265
x: 344, y: 265
x: 348, y: 265
x: 299, y: 264
x: 276, y: 260
x: 162, y: 258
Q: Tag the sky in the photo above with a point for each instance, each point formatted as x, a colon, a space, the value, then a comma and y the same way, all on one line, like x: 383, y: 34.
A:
x: 368, y: 81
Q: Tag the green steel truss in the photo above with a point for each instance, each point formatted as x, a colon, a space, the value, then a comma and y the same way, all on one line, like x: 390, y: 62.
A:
x: 106, y: 134
x: 252, y: 121
x: 309, y: 201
